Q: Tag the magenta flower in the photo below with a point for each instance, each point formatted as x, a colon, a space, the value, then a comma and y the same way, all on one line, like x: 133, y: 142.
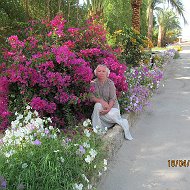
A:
x: 37, y: 103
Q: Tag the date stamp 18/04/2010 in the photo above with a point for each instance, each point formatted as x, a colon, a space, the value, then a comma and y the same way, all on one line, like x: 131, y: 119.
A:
x: 178, y: 163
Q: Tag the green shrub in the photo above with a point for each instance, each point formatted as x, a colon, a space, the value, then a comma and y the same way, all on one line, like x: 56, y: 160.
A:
x: 132, y: 44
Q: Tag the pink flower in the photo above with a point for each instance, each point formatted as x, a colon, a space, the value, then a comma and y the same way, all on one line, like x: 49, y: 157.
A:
x: 69, y: 44
x: 50, y: 34
x: 15, y: 42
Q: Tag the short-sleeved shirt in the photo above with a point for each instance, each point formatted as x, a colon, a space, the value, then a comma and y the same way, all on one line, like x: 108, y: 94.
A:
x: 106, y: 91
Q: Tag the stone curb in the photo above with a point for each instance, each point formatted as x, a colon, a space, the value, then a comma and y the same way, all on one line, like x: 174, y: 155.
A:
x: 114, y: 137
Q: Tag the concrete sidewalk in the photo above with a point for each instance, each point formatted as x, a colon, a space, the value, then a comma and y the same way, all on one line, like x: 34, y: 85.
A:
x: 162, y: 134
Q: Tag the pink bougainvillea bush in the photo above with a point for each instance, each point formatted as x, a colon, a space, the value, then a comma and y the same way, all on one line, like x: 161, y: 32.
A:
x: 49, y: 66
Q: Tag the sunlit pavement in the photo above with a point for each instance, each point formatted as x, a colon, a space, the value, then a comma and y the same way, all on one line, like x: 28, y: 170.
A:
x: 153, y: 160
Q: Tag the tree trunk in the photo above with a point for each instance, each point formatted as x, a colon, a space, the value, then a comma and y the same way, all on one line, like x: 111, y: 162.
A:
x: 48, y: 9
x: 136, y: 5
x: 150, y: 23
x: 160, y: 35
x: 27, y: 9
x: 59, y: 6
x: 68, y: 13
x: 97, y: 10
x: 77, y: 12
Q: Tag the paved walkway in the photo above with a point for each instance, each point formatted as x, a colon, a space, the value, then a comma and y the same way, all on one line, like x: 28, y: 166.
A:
x: 161, y: 134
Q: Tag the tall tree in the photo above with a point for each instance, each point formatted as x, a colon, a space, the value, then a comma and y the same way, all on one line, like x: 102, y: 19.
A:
x: 117, y: 14
x: 95, y: 8
x: 48, y: 9
x: 167, y: 20
x: 143, y: 17
x: 136, y: 5
x: 26, y: 2
x: 176, y: 4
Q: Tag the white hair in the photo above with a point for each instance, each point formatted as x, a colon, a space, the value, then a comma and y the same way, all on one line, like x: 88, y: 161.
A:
x: 107, y: 69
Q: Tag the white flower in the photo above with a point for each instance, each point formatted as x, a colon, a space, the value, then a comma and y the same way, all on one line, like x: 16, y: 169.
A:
x: 88, y: 159
x: 56, y: 151
x: 28, y: 117
x: 93, y: 153
x: 25, y: 165
x: 86, y: 145
x: 89, y: 121
x: 85, y: 178
x: 28, y: 107
x: 39, y: 121
x: 89, y: 186
x: 51, y: 127
x: 43, y: 134
x: 85, y: 124
x: 20, y: 125
x: 105, y: 162
x: 95, y: 166
x: 10, y: 153
x: 49, y: 119
x: 87, y: 132
x: 62, y: 159
x: 105, y: 168
x: 54, y: 136
x: 17, y: 141
x: 14, y: 123
x: 36, y: 113
x: 99, y: 174
x: 98, y: 130
x: 78, y: 186
x: 19, y: 117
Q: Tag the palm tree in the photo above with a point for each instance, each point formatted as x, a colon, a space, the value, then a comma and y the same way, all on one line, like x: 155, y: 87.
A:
x: 167, y: 20
x: 152, y: 5
x: 176, y: 4
x: 95, y: 7
x: 136, y: 5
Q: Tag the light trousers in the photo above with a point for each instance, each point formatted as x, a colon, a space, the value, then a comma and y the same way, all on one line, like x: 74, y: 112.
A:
x: 109, y: 119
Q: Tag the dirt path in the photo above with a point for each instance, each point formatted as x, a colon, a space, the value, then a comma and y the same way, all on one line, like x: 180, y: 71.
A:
x: 162, y: 134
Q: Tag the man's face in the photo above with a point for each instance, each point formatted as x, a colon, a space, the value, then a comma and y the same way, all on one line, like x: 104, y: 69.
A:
x: 101, y: 72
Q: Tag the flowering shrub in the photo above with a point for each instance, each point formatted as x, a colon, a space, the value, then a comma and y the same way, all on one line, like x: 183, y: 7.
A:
x: 175, y: 47
x: 136, y: 99
x: 3, y: 102
x: 142, y: 81
x: 164, y: 55
x: 169, y: 54
x: 132, y: 44
x: 145, y: 76
x: 49, y: 66
x: 35, y: 155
